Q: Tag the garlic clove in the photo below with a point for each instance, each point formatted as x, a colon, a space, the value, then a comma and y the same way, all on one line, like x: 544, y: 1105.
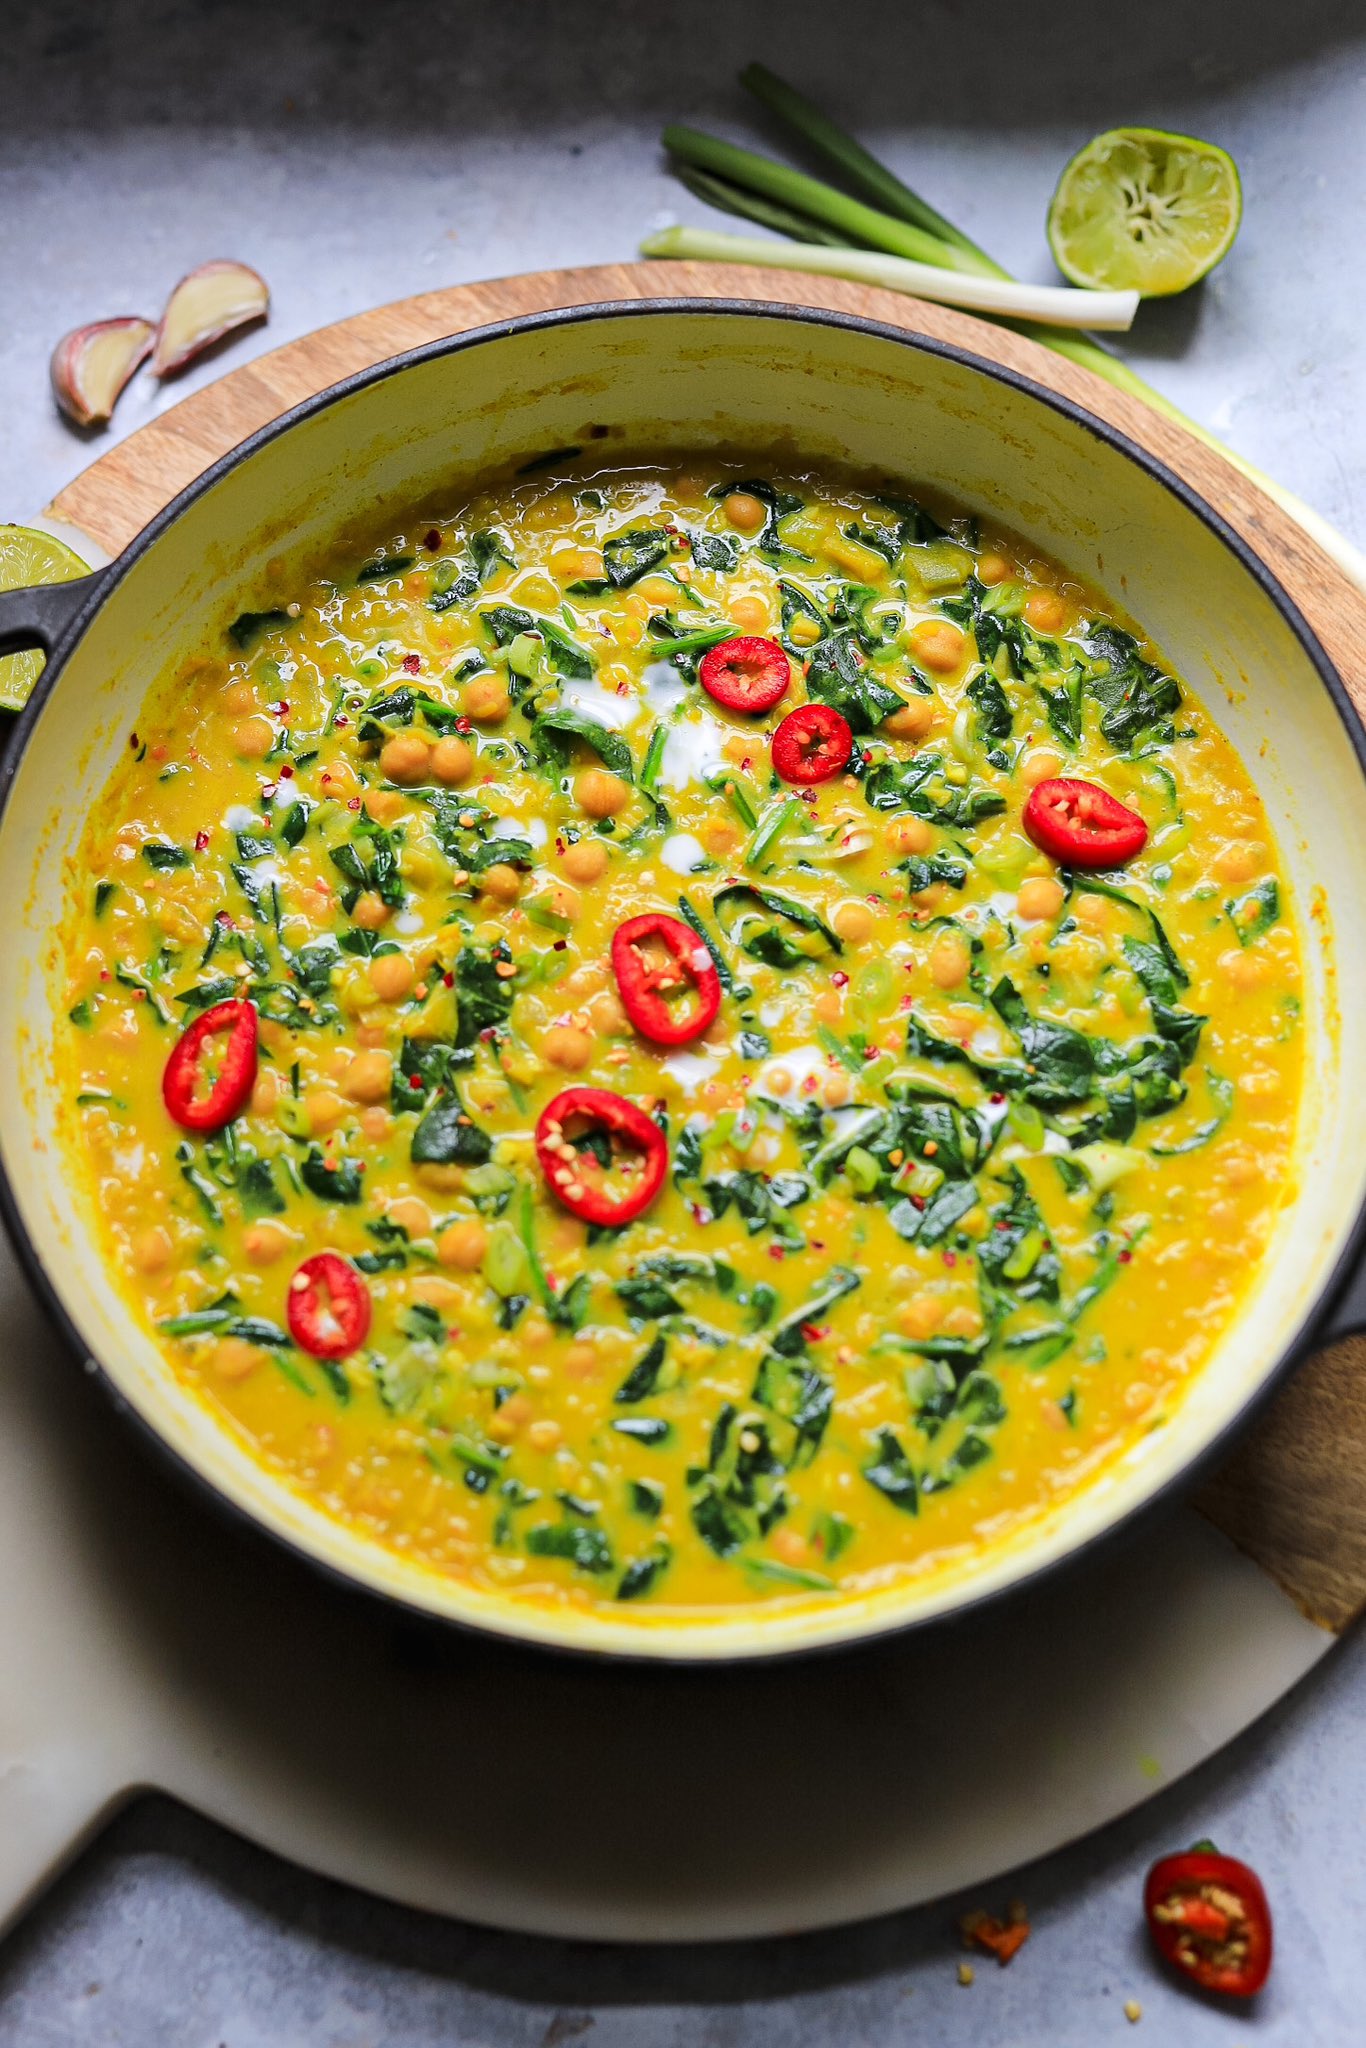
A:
x: 91, y: 365
x: 212, y: 301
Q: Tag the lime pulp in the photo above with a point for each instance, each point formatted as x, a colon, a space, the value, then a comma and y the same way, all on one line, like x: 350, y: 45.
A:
x: 29, y: 556
x: 1142, y: 210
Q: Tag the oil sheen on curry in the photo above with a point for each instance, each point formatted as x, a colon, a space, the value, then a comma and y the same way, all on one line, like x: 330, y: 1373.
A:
x: 669, y: 1039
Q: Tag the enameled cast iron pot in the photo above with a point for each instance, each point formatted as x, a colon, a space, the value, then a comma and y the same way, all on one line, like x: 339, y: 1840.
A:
x: 684, y: 376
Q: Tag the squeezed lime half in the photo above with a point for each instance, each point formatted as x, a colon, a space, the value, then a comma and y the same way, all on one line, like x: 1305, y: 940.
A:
x: 30, y: 556
x: 1141, y: 210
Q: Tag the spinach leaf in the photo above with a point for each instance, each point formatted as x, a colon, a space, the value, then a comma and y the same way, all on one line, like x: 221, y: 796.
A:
x: 1061, y: 1062
x: 758, y: 1199
x: 714, y: 551
x: 739, y: 1494
x: 257, y: 1190
x: 780, y: 505
x: 1250, y: 915
x: 994, y: 722
x: 483, y: 997
x: 644, y: 1377
x: 923, y: 873
x: 383, y: 567
x: 163, y: 857
x: 1136, y: 697
x: 628, y: 556
x: 581, y: 1542
x: 799, y: 1395
x: 249, y: 626
x: 447, y: 1136
x: 640, y: 1575
x: 914, y: 523
x: 553, y: 728
x: 930, y: 1221
x: 336, y: 1180
x: 890, y: 1472
x: 837, y: 676
x: 739, y: 908
x: 894, y: 785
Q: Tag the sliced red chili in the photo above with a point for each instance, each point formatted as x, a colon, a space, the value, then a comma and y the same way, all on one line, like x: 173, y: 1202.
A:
x: 745, y: 674
x: 604, y: 1158
x: 812, y: 744
x: 231, y: 1088
x: 1209, y: 1917
x: 1082, y: 825
x: 328, y: 1306
x: 669, y: 986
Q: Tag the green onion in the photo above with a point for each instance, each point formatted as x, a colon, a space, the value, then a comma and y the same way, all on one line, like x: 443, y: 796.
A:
x: 1051, y: 305
x: 725, y: 779
x: 768, y: 834
x: 654, y: 757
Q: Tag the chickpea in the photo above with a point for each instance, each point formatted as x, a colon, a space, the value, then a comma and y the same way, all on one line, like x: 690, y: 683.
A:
x: 1097, y: 911
x: 921, y: 1315
x: 600, y: 793
x: 1243, y: 971
x: 368, y: 1077
x: 384, y: 805
x: 254, y: 737
x: 239, y: 698
x: 1045, y: 611
x: 325, y: 1109
x: 462, y: 1244
x: 501, y: 881
x: 1238, y: 861
x: 719, y: 835
x: 543, y: 1435
x: 265, y: 1091
x: 452, y: 761
x: 487, y: 700
x: 949, y: 962
x: 585, y: 861
x: 853, y: 921
x: 608, y: 1016
x: 580, y: 1361
x: 233, y: 1358
x: 339, y: 779
x: 564, y: 1045
x: 391, y: 976
x: 370, y: 911
x: 375, y: 1122
x: 828, y: 1006
x: 564, y: 902
x: 837, y: 1088
x: 909, y: 835
x: 777, y: 1081
x: 412, y: 1215
x: 1040, y: 764
x: 404, y: 758
x: 791, y: 1546
x: 912, y: 721
x: 992, y: 568
x: 938, y: 645
x: 152, y: 1249
x: 962, y: 1322
x: 1040, y: 896
x: 264, y: 1242
x: 745, y: 512
x: 1241, y: 1169
x: 749, y: 612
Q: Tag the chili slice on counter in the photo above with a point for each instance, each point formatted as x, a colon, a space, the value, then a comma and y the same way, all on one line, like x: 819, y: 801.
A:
x: 1081, y: 824
x: 571, y: 1134
x: 230, y: 1090
x: 669, y: 986
x: 328, y: 1306
x: 1208, y: 1916
x: 813, y: 743
x: 745, y: 674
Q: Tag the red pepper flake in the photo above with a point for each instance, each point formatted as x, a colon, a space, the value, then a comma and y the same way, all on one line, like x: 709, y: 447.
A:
x: 449, y: 980
x: 840, y: 978
x: 339, y: 721
x: 777, y: 1251
x: 431, y: 541
x: 414, y: 1080
x: 286, y: 772
x: 813, y: 1332
x: 998, y: 1098
x: 950, y: 1258
x: 412, y: 664
x: 872, y: 1052
x: 1000, y: 1938
x: 1124, y: 1258
x: 353, y: 803
x: 133, y: 741
x: 464, y: 725
x: 268, y: 790
x: 282, y: 709
x: 201, y: 840
x: 917, y: 1201
x: 559, y: 945
x: 224, y: 918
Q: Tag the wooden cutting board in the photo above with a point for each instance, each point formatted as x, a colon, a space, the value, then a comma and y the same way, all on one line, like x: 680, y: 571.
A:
x: 1293, y: 1495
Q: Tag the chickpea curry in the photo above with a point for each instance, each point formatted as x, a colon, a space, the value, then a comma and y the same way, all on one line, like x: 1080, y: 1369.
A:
x: 678, y: 1038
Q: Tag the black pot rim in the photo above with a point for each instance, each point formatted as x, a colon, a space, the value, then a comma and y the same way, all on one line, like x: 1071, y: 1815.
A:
x: 103, y: 583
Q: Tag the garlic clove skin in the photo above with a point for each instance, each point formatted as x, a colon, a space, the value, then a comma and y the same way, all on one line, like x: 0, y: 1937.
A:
x: 211, y: 302
x: 91, y: 365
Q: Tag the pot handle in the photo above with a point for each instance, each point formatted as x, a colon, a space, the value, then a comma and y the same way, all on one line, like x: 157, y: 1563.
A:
x: 37, y: 617
x: 1347, y: 1316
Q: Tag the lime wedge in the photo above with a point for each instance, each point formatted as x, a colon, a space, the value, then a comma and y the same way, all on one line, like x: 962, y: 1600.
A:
x: 1141, y: 210
x: 28, y: 556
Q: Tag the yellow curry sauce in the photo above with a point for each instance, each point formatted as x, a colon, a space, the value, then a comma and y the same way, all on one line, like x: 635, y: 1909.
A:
x: 965, y: 1179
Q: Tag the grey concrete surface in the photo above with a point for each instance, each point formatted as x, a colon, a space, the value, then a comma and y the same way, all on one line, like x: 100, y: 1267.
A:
x: 356, y: 154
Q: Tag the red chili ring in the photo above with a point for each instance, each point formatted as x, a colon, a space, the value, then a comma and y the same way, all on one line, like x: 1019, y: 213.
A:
x: 230, y: 1093
x: 575, y: 1177
x: 813, y: 743
x: 328, y: 1306
x: 650, y: 987
x: 745, y: 674
x: 1209, y: 1918
x: 1082, y: 825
